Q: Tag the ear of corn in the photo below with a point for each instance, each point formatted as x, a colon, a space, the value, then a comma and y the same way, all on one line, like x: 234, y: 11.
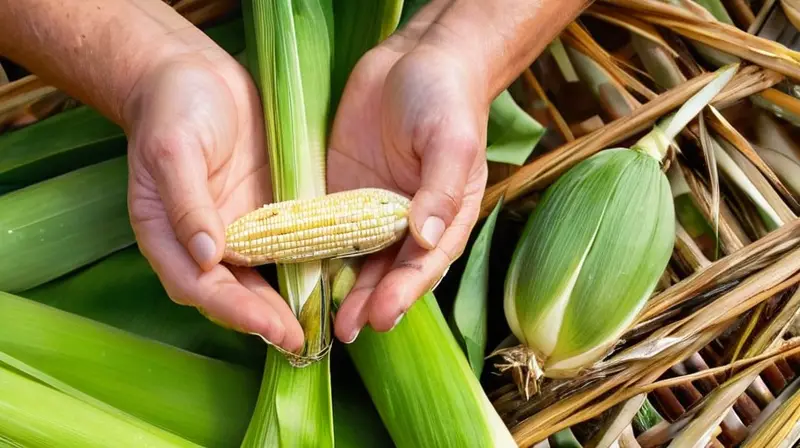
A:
x: 348, y: 223
x: 53, y: 227
x: 289, y: 55
x: 595, y: 245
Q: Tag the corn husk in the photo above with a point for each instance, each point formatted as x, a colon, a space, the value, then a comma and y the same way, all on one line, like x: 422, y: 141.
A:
x: 606, y: 262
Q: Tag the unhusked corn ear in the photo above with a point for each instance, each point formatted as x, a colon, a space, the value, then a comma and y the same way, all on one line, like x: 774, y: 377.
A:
x: 348, y: 223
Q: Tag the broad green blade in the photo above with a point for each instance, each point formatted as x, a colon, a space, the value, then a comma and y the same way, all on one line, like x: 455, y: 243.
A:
x: 354, y: 36
x: 292, y: 408
x: 425, y: 391
x: 123, y: 291
x: 35, y: 416
x: 57, y: 145
x: 53, y: 227
x: 512, y: 134
x: 470, y: 306
x: 170, y: 388
x: 290, y: 55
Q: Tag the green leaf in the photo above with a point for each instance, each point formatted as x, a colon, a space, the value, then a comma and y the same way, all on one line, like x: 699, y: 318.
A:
x: 290, y: 57
x: 57, y: 145
x: 354, y: 36
x: 470, y: 306
x: 123, y: 291
x: 56, y: 226
x: 564, y: 439
x: 202, y: 399
x: 512, y: 133
x: 422, y: 385
x: 34, y: 415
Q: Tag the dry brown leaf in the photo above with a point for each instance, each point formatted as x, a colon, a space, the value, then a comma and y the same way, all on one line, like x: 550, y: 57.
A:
x: 561, y: 124
x: 720, y: 36
x: 729, y: 268
x: 743, y: 146
x: 542, y: 170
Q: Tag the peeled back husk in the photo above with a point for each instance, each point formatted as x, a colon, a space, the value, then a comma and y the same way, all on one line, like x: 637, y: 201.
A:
x: 590, y: 255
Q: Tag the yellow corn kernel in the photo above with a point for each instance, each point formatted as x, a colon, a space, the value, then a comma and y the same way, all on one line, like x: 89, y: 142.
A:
x: 344, y: 224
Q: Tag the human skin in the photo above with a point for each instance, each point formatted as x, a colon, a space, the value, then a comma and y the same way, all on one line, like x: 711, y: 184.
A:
x: 413, y: 113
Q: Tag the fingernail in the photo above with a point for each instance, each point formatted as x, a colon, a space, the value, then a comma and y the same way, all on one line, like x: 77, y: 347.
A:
x: 397, y: 321
x: 353, y: 336
x: 432, y: 230
x: 202, y: 248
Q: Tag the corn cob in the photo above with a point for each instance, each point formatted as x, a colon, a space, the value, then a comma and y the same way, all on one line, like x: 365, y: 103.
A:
x: 344, y: 224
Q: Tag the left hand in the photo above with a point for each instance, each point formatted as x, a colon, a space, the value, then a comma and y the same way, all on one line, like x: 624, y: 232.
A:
x: 412, y: 119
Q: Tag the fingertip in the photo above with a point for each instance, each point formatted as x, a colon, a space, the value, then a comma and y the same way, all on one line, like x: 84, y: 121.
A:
x: 352, y: 316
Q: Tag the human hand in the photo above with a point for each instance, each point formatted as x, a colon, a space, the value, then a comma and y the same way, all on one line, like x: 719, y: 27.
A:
x: 412, y: 119
x: 197, y: 162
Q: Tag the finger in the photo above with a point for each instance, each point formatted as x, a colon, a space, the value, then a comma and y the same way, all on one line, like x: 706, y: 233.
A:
x: 417, y: 270
x: 293, y: 338
x: 216, y: 292
x: 448, y: 158
x: 181, y: 176
x: 414, y: 273
x: 353, y: 315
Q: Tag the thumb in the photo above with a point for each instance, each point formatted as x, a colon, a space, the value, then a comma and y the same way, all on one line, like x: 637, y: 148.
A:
x: 446, y: 161
x: 180, y: 173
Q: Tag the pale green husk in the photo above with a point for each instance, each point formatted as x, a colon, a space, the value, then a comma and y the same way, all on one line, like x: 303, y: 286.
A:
x: 290, y: 57
x: 593, y: 250
x: 589, y: 257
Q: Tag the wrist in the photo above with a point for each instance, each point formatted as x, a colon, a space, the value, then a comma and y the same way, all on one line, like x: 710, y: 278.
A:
x: 179, y: 52
x: 499, y: 39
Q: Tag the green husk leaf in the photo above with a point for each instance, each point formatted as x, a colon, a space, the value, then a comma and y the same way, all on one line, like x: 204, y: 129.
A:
x: 428, y: 399
x: 123, y: 291
x: 512, y: 134
x: 470, y: 305
x: 354, y: 36
x: 170, y: 388
x: 410, y: 7
x: 53, y: 227
x: 33, y: 415
x: 57, y: 145
x: 290, y: 53
x: 620, y: 240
